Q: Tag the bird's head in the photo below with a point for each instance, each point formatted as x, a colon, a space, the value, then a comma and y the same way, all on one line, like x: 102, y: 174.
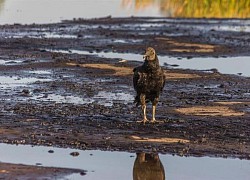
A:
x: 149, y: 54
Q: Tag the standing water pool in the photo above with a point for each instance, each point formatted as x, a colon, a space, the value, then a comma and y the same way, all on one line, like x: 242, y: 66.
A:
x: 122, y: 165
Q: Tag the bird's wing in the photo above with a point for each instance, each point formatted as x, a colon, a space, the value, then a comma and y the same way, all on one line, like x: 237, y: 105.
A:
x: 136, y: 77
x: 163, y: 79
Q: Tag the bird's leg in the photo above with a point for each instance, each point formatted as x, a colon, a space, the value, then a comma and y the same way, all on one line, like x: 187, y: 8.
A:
x: 153, y: 110
x: 153, y: 114
x: 144, y: 108
x: 144, y: 115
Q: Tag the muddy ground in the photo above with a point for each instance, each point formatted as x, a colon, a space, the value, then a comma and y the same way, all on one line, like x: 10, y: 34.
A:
x: 203, y: 113
x: 19, y: 171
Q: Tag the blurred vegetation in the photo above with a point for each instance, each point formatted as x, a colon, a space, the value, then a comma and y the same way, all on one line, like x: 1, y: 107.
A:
x: 1, y: 4
x: 196, y: 8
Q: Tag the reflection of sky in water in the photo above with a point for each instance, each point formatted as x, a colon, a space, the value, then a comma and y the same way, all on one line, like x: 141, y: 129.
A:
x: 9, y: 62
x: 119, y: 165
x: 41, y: 72
x: 61, y: 99
x: 102, y: 98
x: 229, y: 65
x: 14, y: 81
x: 37, y: 35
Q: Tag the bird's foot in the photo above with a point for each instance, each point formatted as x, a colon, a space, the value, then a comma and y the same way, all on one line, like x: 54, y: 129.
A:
x: 142, y: 121
x: 156, y: 121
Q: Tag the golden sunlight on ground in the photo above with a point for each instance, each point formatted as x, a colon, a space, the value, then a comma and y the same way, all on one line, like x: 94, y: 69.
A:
x: 4, y: 171
x: 9, y: 131
x: 126, y: 71
x: 173, y: 75
x: 119, y: 71
x: 209, y: 111
x: 158, y: 140
x: 231, y: 102
x: 188, y: 47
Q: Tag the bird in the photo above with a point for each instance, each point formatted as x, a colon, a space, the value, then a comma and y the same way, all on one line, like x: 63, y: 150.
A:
x: 148, y: 81
x: 148, y: 166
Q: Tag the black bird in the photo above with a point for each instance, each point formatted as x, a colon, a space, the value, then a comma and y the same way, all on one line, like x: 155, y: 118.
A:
x: 148, y: 81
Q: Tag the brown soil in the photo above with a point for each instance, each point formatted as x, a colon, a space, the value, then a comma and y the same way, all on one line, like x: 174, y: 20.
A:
x: 19, y: 171
x: 209, y: 111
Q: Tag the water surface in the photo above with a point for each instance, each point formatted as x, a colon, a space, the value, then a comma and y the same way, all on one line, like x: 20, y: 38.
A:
x: 103, y: 98
x: 15, y: 81
x: 51, y: 11
x: 120, y: 165
x: 228, y: 65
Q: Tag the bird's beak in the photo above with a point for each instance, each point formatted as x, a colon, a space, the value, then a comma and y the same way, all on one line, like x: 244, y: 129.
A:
x: 145, y: 57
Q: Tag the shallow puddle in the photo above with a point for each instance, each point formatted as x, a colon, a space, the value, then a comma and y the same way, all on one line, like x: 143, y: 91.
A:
x: 109, y: 98
x: 40, y: 72
x: 102, y: 98
x: 62, y: 99
x: 56, y: 36
x: 9, y: 62
x: 228, y: 65
x: 15, y: 81
x: 122, y: 165
x: 38, y: 35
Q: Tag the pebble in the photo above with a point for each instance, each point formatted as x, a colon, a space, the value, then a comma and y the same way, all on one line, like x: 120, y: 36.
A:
x: 75, y: 154
x: 50, y: 151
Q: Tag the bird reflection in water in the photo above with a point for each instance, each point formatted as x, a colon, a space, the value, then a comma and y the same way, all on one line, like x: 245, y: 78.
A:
x: 148, y: 166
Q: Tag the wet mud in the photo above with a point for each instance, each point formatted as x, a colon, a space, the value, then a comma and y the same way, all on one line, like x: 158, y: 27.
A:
x: 57, y: 97
x: 19, y: 171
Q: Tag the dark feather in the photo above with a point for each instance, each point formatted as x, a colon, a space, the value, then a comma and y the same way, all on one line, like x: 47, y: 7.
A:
x: 148, y: 79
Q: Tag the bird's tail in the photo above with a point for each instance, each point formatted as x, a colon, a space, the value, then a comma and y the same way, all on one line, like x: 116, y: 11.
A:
x: 137, y: 100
